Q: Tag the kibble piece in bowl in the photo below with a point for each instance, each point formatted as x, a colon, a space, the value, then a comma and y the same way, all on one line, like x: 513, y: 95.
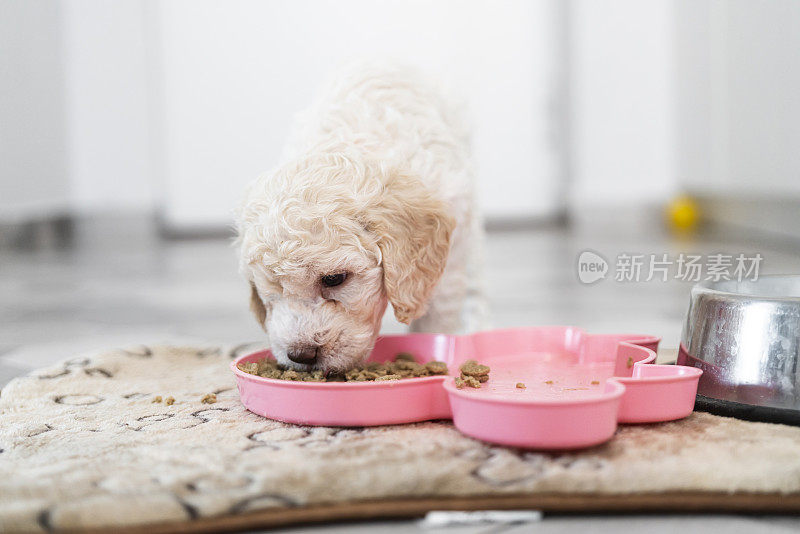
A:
x: 436, y: 368
x: 467, y: 381
x: 472, y: 374
x: 474, y: 369
x: 389, y: 377
x: 404, y: 365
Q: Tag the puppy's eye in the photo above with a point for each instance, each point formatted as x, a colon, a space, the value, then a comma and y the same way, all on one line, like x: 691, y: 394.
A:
x: 333, y: 280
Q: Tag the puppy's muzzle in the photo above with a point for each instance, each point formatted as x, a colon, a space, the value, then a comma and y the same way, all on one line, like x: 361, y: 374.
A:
x: 305, y: 354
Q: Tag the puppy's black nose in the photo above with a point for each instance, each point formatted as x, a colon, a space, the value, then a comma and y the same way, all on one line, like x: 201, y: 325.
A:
x: 306, y: 354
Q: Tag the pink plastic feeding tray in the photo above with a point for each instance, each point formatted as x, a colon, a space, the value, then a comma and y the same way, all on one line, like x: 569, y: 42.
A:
x: 578, y: 387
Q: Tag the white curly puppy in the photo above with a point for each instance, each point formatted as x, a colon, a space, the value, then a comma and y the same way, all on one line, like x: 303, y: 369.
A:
x: 373, y: 204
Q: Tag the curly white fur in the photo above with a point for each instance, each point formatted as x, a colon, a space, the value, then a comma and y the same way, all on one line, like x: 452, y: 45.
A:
x: 378, y: 185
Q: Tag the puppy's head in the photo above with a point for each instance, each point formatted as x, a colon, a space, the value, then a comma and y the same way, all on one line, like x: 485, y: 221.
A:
x: 325, y: 242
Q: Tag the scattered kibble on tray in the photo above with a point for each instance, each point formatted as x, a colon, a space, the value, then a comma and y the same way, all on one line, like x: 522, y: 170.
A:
x: 209, y: 398
x: 595, y: 382
x: 520, y: 385
x: 404, y: 365
x: 472, y: 374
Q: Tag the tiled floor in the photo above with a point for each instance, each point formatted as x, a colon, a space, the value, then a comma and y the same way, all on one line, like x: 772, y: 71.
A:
x: 118, y: 284
x: 721, y: 524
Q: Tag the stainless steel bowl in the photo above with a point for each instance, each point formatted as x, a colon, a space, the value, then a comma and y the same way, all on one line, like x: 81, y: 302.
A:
x: 745, y: 336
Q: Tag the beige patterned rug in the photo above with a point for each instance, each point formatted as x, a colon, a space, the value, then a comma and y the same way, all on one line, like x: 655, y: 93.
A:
x: 83, y: 447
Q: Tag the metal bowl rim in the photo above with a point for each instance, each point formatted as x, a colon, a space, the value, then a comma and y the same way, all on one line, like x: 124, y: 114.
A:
x: 707, y: 287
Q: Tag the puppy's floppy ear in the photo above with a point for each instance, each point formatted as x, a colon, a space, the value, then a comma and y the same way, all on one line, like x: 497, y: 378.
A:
x: 414, y: 230
x: 257, y: 306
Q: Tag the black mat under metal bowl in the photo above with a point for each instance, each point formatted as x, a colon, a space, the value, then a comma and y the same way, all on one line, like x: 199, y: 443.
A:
x: 745, y: 336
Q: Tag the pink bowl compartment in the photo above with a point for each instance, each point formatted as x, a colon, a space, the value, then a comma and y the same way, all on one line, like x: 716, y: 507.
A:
x: 354, y: 403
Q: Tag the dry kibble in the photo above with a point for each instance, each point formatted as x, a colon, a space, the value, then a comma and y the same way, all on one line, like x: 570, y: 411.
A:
x: 404, y: 356
x: 473, y: 368
x: 436, y: 368
x: 595, y: 382
x: 251, y: 367
x: 169, y: 401
x: 520, y: 385
x: 467, y: 381
x: 403, y: 366
x: 209, y: 398
x: 157, y: 398
x: 406, y: 365
x: 472, y: 374
x: 629, y: 363
x: 548, y: 382
x: 291, y: 374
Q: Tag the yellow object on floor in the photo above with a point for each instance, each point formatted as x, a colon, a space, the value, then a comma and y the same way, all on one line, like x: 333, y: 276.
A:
x: 683, y: 214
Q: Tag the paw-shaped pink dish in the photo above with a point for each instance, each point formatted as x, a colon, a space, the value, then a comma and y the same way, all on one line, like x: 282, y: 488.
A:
x: 578, y: 386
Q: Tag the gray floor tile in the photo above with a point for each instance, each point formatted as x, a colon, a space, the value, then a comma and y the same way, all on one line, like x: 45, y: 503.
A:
x: 9, y: 371
x: 691, y: 524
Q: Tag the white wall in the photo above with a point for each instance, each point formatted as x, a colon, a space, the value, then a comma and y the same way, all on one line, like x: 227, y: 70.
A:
x: 126, y: 105
x: 74, y: 110
x: 236, y: 72
x: 33, y: 153
x: 107, y: 105
x: 687, y: 95
x: 738, y: 105
x: 622, y: 102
